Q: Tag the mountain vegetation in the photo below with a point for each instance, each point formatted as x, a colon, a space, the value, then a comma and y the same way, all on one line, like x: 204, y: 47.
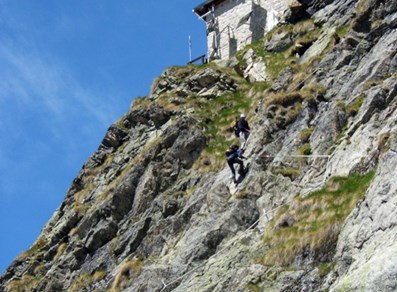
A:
x: 154, y: 208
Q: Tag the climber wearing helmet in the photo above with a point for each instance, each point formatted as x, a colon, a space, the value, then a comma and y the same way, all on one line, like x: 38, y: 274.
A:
x: 244, y: 131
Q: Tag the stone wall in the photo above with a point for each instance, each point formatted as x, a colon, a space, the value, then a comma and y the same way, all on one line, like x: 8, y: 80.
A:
x: 236, y: 23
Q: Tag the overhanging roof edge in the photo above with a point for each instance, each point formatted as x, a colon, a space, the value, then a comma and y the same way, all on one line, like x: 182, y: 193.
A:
x: 203, y: 7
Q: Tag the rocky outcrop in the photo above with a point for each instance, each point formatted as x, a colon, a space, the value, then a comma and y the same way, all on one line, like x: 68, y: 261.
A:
x: 153, y: 209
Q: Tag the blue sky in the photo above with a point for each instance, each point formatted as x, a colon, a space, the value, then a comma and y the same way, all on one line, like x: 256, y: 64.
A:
x: 68, y: 70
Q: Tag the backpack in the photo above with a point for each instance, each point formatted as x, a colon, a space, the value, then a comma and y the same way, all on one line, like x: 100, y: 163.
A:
x: 236, y: 130
x: 232, y: 153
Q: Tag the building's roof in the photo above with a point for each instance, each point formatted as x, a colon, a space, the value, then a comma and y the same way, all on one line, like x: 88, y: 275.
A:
x: 205, y: 6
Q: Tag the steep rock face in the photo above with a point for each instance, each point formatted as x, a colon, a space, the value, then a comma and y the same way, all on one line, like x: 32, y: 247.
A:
x: 153, y: 209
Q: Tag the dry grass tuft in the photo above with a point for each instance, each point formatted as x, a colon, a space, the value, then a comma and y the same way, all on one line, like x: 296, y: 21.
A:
x: 60, y: 250
x: 383, y: 140
x: 99, y: 276
x: 127, y: 271
x: 305, y: 134
x: 25, y: 284
x: 284, y: 99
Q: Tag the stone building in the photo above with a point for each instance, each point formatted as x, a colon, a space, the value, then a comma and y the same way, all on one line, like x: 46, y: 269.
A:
x: 232, y: 24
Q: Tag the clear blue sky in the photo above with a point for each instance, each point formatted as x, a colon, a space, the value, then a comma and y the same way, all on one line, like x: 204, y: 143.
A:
x: 68, y: 70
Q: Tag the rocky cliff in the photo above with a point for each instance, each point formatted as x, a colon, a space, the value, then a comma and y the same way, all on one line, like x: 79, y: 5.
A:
x: 153, y: 209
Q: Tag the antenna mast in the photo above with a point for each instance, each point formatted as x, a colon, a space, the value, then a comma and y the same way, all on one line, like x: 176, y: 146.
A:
x: 190, y: 48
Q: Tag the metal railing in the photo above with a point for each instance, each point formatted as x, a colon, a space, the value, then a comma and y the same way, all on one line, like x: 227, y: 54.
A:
x: 203, y: 59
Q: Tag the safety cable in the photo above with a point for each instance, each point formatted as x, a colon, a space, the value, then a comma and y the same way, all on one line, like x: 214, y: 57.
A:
x: 165, y: 285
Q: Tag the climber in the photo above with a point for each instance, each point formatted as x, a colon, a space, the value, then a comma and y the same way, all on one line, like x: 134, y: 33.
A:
x: 234, y: 155
x: 244, y: 130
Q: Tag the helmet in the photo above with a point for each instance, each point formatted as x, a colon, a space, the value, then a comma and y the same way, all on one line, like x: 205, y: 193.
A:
x: 242, y: 116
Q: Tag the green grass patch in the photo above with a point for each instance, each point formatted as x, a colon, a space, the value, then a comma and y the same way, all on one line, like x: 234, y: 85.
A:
x: 313, y: 223
x: 257, y: 47
x: 218, y: 116
x: 276, y: 62
x: 355, y: 106
x: 372, y: 83
x: 260, y: 86
x: 325, y: 268
x: 341, y: 31
x: 254, y: 288
x: 305, y: 149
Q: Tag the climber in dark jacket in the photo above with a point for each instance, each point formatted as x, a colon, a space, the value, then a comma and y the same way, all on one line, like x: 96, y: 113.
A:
x: 244, y: 131
x: 234, y: 155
